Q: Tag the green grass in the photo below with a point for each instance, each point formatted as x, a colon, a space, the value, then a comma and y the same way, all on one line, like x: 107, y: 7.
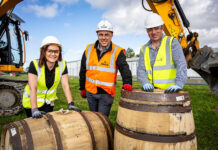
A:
x: 203, y: 104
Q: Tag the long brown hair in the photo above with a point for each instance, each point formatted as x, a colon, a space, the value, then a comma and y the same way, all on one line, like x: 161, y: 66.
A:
x: 42, y: 58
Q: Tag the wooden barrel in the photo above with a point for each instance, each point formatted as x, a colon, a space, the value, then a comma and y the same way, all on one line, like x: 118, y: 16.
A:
x: 154, y: 121
x: 60, y: 131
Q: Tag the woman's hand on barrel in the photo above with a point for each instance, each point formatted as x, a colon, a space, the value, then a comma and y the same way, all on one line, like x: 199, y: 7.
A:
x: 148, y: 87
x: 72, y: 107
x: 127, y: 87
x: 36, y: 113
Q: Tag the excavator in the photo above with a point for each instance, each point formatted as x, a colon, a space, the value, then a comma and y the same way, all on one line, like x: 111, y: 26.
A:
x: 12, y: 58
x: 202, y: 60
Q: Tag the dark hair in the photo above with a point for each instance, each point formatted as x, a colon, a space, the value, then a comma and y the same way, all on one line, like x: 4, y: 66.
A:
x: 42, y: 58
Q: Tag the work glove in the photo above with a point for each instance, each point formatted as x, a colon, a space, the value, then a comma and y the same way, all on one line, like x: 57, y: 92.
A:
x: 148, y: 87
x: 172, y: 89
x: 72, y: 107
x: 83, y: 93
x: 36, y: 113
x: 127, y: 87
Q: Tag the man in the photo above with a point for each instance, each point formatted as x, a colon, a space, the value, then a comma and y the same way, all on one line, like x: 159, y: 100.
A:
x: 161, y: 62
x: 99, y: 65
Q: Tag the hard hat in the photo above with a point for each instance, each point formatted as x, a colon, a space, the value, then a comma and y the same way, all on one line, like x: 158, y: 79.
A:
x: 50, y: 40
x: 104, y: 25
x: 153, y: 20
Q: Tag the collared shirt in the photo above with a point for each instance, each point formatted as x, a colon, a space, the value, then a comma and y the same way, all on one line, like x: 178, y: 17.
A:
x: 49, y: 74
x: 178, y: 58
x: 104, y: 50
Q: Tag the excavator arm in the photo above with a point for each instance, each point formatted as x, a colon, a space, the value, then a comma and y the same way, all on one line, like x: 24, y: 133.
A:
x: 203, y: 60
x: 6, y: 5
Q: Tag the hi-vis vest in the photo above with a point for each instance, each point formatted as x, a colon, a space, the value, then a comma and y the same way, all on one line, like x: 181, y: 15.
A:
x: 44, y: 95
x: 163, y: 73
x: 102, y: 73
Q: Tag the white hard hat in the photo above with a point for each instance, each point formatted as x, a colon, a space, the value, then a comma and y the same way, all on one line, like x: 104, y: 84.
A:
x: 104, y: 25
x: 153, y: 20
x: 50, y: 40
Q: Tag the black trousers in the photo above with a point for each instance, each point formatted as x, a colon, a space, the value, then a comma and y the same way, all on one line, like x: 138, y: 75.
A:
x: 100, y: 102
x: 46, y: 108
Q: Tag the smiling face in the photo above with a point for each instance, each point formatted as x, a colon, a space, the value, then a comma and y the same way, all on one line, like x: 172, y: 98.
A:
x: 104, y: 38
x: 155, y: 34
x: 52, y: 53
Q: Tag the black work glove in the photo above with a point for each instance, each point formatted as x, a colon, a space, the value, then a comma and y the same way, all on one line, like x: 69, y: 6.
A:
x: 36, y: 113
x: 72, y: 107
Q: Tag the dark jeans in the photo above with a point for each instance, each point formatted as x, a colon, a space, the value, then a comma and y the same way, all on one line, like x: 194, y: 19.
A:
x: 100, y: 102
x: 46, y: 108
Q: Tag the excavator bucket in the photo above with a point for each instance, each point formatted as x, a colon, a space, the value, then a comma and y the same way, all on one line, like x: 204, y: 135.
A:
x: 6, y: 5
x: 205, y: 63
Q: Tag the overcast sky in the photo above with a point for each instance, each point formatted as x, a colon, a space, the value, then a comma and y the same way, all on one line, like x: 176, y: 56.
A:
x: 74, y: 23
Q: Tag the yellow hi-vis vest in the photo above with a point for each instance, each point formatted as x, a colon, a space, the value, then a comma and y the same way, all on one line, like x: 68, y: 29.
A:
x: 163, y: 73
x: 44, y: 95
x: 102, y: 73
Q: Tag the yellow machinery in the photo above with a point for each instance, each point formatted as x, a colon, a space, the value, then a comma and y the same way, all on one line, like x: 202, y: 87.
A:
x: 12, y: 56
x: 203, y: 60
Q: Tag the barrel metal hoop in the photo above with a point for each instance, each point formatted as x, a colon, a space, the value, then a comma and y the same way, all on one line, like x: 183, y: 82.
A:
x: 110, y: 140
x: 90, y: 131
x: 155, y: 137
x: 155, y: 97
x: 15, y: 136
x: 56, y: 131
x: 28, y: 134
x: 110, y: 124
x: 155, y: 108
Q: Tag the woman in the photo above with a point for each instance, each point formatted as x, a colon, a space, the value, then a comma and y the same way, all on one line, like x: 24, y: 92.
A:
x: 44, y: 76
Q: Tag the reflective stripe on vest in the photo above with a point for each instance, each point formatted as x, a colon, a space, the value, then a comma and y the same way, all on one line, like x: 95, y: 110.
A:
x: 100, y: 82
x: 111, y: 69
x: 42, y: 91
x: 47, y: 101
x: 101, y: 73
x: 44, y: 95
x: 163, y: 73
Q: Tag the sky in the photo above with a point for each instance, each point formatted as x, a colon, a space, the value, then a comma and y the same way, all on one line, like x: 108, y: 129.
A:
x: 74, y: 23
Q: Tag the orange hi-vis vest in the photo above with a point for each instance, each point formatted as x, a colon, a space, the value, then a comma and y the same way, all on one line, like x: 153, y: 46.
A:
x: 102, y: 73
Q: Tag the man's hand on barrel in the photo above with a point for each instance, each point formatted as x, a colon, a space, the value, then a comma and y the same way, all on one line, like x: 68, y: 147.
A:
x: 36, y: 113
x: 173, y: 88
x: 148, y: 87
x: 72, y: 107
x: 127, y: 87
x: 83, y: 93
